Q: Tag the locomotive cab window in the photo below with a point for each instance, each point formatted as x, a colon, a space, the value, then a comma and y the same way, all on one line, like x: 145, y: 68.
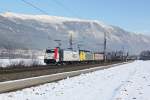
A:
x: 49, y: 51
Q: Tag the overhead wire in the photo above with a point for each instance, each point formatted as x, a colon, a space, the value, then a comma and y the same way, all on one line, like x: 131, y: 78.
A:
x: 67, y: 9
x: 35, y: 7
x: 70, y: 11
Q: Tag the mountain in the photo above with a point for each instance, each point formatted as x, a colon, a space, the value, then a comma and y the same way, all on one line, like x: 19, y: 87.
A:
x: 40, y: 31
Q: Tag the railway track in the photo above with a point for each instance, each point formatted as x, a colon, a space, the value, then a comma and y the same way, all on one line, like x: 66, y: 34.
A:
x: 28, y: 82
x: 15, y: 73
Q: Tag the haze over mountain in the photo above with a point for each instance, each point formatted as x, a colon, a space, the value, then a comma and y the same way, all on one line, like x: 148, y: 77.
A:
x: 40, y: 31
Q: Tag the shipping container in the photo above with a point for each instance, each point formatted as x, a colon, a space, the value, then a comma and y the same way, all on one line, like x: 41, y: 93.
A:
x: 71, y: 56
x: 89, y: 56
x: 98, y: 56
x: 82, y: 55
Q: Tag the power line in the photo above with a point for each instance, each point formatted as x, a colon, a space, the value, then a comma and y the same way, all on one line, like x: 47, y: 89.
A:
x: 56, y: 2
x: 65, y: 8
x: 37, y: 8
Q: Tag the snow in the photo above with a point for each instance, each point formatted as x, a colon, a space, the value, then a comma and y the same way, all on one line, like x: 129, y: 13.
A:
x: 51, y: 19
x: 26, y: 62
x: 125, y: 82
x: 44, y: 18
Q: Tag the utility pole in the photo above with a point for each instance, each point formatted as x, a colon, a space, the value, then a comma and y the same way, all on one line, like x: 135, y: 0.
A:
x: 123, y: 51
x: 71, y: 40
x: 105, y: 44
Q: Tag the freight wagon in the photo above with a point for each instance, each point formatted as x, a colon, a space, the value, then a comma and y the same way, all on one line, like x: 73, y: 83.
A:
x: 98, y: 56
x: 86, y: 55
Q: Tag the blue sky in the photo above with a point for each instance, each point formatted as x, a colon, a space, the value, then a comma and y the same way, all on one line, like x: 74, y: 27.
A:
x: 132, y: 15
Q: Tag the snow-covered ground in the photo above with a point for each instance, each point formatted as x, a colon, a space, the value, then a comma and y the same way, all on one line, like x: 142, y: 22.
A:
x: 124, y: 82
x: 26, y: 62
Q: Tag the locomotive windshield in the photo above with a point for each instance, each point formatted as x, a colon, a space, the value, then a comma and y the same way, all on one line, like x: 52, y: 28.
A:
x: 49, y: 51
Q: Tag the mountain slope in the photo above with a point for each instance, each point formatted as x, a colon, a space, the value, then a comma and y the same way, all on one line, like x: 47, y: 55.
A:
x: 40, y: 31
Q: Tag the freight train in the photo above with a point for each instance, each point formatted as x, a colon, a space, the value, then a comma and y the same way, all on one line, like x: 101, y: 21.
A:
x: 60, y: 56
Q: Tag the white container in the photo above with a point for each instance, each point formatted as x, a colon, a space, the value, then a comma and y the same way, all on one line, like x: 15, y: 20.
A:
x: 98, y: 56
x: 71, y: 56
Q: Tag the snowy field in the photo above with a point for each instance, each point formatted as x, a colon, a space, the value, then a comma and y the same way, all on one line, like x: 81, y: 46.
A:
x: 125, y: 82
x: 26, y: 62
